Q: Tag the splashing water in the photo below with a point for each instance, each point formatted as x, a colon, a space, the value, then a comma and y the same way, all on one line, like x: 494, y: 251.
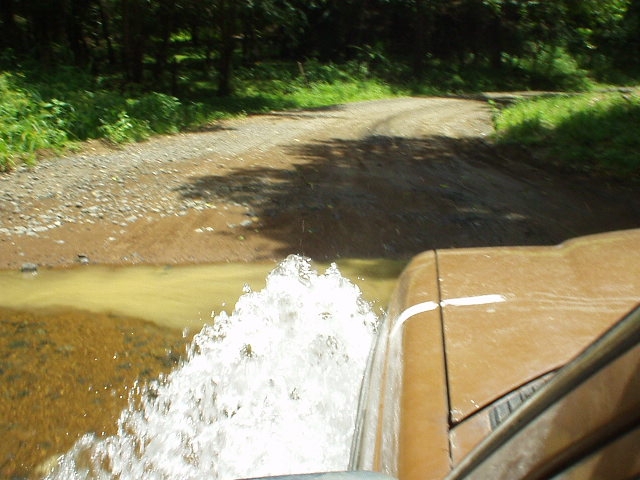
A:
x: 271, y: 389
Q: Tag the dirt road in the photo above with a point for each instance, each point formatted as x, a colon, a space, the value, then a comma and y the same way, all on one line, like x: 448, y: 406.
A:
x: 374, y: 179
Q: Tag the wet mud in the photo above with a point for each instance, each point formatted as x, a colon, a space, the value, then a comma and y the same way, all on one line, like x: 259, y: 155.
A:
x: 64, y: 373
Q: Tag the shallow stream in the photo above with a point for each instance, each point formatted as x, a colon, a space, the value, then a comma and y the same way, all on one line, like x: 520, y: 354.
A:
x: 178, y: 297
x: 73, y: 343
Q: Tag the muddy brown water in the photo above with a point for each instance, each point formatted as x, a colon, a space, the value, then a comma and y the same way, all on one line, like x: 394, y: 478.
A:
x: 74, y: 342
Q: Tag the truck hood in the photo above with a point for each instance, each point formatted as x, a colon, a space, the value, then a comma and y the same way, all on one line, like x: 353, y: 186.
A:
x: 465, y: 327
x: 513, y: 314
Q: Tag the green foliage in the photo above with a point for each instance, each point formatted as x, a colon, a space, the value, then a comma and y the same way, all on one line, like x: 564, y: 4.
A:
x: 125, y: 129
x: 27, y: 124
x: 378, y: 36
x: 162, y: 113
x: 276, y: 86
x: 99, y: 112
x: 46, y: 112
x: 553, y: 68
x: 85, y: 73
x: 321, y: 94
x: 595, y: 132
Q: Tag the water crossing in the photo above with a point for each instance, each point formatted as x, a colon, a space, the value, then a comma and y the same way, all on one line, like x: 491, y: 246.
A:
x: 270, y: 389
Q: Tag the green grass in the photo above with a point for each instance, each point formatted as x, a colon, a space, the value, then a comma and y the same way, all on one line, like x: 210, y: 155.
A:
x: 322, y: 94
x: 591, y: 132
x: 283, y: 86
x: 27, y: 124
x: 50, y: 111
x: 53, y: 113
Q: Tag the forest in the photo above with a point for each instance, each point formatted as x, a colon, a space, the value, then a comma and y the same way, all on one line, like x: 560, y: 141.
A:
x: 123, y: 69
x: 153, y: 42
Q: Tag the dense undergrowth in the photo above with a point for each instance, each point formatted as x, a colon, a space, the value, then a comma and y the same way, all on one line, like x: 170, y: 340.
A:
x: 52, y: 111
x: 41, y: 112
x: 593, y: 133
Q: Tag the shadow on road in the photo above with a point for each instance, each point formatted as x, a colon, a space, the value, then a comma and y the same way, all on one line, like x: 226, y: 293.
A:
x: 394, y: 197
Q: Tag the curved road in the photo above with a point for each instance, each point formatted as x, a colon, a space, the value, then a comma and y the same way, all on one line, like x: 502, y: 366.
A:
x: 384, y: 178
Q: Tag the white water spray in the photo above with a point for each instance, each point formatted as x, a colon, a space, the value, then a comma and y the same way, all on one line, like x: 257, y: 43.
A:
x: 271, y: 389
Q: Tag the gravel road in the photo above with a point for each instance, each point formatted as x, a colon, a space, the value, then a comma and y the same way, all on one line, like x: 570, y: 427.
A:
x: 383, y: 178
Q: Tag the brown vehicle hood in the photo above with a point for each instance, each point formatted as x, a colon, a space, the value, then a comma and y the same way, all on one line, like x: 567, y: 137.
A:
x: 465, y: 327
x: 513, y: 314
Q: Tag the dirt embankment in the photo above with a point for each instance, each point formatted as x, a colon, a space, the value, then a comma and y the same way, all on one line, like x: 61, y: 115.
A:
x: 386, y: 178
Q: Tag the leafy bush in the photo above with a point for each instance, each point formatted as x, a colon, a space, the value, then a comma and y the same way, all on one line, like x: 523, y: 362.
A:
x: 27, y: 124
x: 45, y: 111
x: 101, y: 112
x: 162, y: 113
x: 552, y: 68
x: 594, y: 132
x: 319, y: 94
x: 308, y: 85
x: 125, y: 129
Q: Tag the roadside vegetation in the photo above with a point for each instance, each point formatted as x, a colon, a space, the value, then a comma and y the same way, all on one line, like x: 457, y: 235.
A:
x: 593, y: 133
x: 124, y: 71
x: 48, y: 113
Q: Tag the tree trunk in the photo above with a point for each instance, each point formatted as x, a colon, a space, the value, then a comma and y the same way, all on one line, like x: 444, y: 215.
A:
x: 133, y: 41
x: 75, y: 34
x: 11, y: 35
x: 106, y: 32
x: 227, y: 44
x: 422, y: 28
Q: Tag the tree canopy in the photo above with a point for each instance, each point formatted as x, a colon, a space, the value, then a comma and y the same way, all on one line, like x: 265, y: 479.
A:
x: 150, y: 41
